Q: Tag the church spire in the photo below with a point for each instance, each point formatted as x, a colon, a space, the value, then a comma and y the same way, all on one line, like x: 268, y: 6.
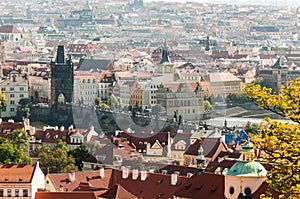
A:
x: 200, y: 158
x: 165, y: 54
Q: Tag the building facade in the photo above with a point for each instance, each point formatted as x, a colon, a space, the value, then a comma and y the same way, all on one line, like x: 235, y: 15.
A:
x: 184, y: 100
x: 15, y: 87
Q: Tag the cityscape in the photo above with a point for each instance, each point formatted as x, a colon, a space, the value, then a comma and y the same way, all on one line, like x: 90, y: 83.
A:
x: 138, y: 99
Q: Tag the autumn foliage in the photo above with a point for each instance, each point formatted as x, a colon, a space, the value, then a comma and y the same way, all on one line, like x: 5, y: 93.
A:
x: 279, y: 142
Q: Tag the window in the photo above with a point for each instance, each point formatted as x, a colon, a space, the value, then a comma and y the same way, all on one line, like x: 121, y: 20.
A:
x: 17, y: 192
x: 3, y: 89
x: 8, y: 192
x: 12, y: 95
x: 21, y: 88
x: 21, y: 95
x: 12, y: 89
x: 12, y: 102
x: 12, y: 109
x: 1, y: 192
x: 25, y: 192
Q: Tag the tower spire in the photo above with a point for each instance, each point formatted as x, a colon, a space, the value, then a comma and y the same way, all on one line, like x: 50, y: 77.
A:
x: 200, y: 158
x: 60, y: 56
x: 165, y: 54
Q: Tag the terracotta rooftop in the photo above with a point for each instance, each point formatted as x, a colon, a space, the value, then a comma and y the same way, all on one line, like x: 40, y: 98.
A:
x: 66, y: 195
x: 12, y: 173
x: 155, y: 186
x: 211, y: 146
x: 9, y: 29
x: 117, y: 192
x: 92, y: 177
x: 205, y: 185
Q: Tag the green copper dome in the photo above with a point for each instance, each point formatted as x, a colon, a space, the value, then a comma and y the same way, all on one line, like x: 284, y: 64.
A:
x: 247, y: 147
x: 247, y: 169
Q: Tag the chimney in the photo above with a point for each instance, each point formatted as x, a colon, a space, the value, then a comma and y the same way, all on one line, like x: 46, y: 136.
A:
x: 143, y: 175
x: 56, y: 128
x: 32, y: 130
x: 125, y: 172
x: 189, y: 175
x: 70, y: 127
x: 0, y: 120
x: 135, y: 174
x: 72, y: 176
x: 11, y: 120
x: 164, y: 171
x: 61, y: 188
x: 101, y: 172
x: 174, y: 178
x: 62, y: 128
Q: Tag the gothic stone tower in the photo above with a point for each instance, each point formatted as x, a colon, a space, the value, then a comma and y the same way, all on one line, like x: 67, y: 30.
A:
x: 62, y: 83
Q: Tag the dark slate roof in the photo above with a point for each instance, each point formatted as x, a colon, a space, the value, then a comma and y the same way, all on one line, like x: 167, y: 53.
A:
x: 93, y: 64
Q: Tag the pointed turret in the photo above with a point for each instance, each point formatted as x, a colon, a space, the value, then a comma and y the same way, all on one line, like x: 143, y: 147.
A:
x: 200, y: 158
x: 165, y: 54
x: 207, y: 44
x: 60, y: 56
x: 279, y: 63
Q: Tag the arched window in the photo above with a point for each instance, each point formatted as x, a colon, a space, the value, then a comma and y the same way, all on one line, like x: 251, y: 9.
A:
x: 61, y: 98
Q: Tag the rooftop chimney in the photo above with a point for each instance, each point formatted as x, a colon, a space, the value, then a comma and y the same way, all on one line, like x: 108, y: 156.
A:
x: 62, y: 128
x: 135, y: 174
x: 72, y: 176
x: 174, y: 178
x: 143, y: 175
x: 125, y: 172
x: 101, y: 172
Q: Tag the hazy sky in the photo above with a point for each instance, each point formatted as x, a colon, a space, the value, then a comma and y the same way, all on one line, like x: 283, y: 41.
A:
x: 261, y: 2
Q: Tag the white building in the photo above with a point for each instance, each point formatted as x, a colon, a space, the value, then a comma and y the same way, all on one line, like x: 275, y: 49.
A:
x: 15, y: 87
x: 20, y: 180
x: 85, y: 88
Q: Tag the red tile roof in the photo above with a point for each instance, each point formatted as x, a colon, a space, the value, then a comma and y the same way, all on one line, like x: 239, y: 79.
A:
x: 12, y: 173
x: 9, y: 29
x: 205, y: 185
x: 117, y: 192
x: 138, y: 140
x: 211, y: 147
x: 10, y: 126
x: 92, y: 177
x: 66, y: 195
x: 156, y: 186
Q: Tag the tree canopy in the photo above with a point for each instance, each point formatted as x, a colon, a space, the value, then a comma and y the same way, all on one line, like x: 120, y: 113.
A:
x: 279, y: 142
x: 56, y: 160
x: 14, y: 147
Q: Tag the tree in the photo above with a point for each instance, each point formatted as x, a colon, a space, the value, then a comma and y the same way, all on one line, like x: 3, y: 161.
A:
x: 56, y: 160
x: 2, y: 102
x: 114, y: 102
x: 23, y: 110
x: 280, y: 142
x: 207, y: 106
x: 80, y: 154
x: 14, y: 147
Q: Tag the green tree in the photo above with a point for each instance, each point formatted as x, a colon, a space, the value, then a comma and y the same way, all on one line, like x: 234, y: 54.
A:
x: 114, y: 102
x: 56, y: 160
x: 14, y: 147
x: 23, y: 110
x: 98, y: 101
x: 2, y: 102
x: 207, y: 106
x: 219, y: 98
x: 278, y: 141
x: 80, y: 154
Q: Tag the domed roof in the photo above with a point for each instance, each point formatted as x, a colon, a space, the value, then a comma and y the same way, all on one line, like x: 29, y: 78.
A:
x: 252, y: 168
